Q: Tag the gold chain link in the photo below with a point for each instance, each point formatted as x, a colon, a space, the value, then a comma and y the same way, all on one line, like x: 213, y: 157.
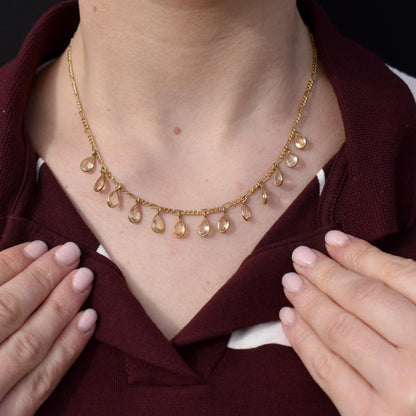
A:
x: 205, y: 211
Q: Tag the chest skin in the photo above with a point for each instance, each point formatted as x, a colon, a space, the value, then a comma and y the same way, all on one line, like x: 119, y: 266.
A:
x: 173, y: 278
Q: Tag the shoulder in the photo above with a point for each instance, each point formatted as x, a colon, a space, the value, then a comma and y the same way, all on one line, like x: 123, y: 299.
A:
x: 379, y: 115
x: 47, y: 40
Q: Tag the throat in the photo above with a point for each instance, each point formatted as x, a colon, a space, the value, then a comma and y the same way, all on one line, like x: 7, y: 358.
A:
x: 161, y: 64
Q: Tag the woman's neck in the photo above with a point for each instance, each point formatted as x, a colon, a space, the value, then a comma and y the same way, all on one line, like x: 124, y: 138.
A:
x: 202, y: 65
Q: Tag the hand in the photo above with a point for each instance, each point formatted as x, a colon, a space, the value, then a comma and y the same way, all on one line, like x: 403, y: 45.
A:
x: 354, y: 325
x: 41, y: 334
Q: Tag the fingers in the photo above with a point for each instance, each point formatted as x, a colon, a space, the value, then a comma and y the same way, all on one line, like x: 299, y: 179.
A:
x: 363, y: 258
x: 342, y: 332
x: 29, y: 393
x: 354, y: 323
x: 369, y: 299
x: 20, y: 296
x: 337, y: 378
x: 15, y: 259
x: 27, y: 347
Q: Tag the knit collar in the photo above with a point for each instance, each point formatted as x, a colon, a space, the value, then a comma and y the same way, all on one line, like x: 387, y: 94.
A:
x: 361, y: 196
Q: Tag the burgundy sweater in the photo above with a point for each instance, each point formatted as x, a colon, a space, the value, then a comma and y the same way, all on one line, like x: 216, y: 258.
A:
x: 231, y: 359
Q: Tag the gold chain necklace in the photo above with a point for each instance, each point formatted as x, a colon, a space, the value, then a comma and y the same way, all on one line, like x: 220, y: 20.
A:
x: 179, y: 230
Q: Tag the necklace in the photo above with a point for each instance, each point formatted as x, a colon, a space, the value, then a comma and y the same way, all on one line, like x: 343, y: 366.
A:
x: 290, y: 159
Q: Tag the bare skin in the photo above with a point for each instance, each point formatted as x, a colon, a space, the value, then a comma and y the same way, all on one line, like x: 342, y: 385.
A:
x: 201, y: 89
x: 353, y: 324
x: 38, y: 286
x: 180, y: 96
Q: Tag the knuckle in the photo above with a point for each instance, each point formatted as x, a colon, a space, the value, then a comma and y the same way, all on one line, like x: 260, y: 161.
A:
x: 399, y: 267
x: 10, y: 264
x: 10, y: 309
x: 323, y: 367
x: 299, y: 337
x: 69, y: 350
x: 27, y: 348
x: 359, y: 253
x: 341, y: 329
x: 367, y: 289
x: 41, y: 385
x: 324, y: 275
x: 61, y: 309
x: 43, y: 275
x: 309, y: 304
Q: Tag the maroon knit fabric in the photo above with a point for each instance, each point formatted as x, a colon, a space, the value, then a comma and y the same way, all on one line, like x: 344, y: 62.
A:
x: 129, y: 368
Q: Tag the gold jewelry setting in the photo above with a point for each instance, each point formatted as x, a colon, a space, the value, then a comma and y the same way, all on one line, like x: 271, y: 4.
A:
x: 287, y: 155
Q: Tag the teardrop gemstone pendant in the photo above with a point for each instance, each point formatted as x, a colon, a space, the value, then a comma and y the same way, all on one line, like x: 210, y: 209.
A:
x: 300, y: 141
x: 179, y: 229
x: 158, y: 225
x: 88, y: 164
x: 223, y: 224
x: 292, y: 160
x: 100, y: 184
x: 264, y: 194
x: 135, y: 214
x: 245, y: 211
x: 278, y: 177
x: 113, y: 199
x: 204, y: 228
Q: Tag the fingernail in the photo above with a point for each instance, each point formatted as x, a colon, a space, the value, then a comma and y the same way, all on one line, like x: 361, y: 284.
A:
x: 87, y: 320
x: 304, y: 256
x: 287, y: 316
x: 68, y: 254
x: 336, y: 238
x: 82, y: 280
x: 35, y: 249
x: 292, y: 282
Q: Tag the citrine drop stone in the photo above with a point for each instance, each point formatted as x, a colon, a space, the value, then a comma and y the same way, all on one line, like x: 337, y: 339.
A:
x: 113, y: 199
x: 179, y: 229
x: 135, y: 214
x: 99, y: 185
x: 264, y: 195
x: 291, y: 159
x: 204, y: 228
x: 278, y: 177
x: 245, y: 212
x: 88, y: 164
x: 223, y: 224
x: 300, y: 141
x: 158, y: 226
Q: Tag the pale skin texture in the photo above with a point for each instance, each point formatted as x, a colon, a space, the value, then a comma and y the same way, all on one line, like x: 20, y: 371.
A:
x: 230, y: 75
x: 41, y: 331
x: 353, y: 325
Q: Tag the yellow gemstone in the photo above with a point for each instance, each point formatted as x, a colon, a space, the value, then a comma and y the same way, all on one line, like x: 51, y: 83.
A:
x: 223, y: 224
x: 264, y: 195
x: 300, y: 141
x: 278, y: 177
x: 135, y: 214
x: 99, y: 185
x: 291, y: 159
x: 88, y: 164
x: 113, y: 199
x: 245, y: 211
x: 179, y: 229
x: 158, y: 226
x: 204, y: 228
